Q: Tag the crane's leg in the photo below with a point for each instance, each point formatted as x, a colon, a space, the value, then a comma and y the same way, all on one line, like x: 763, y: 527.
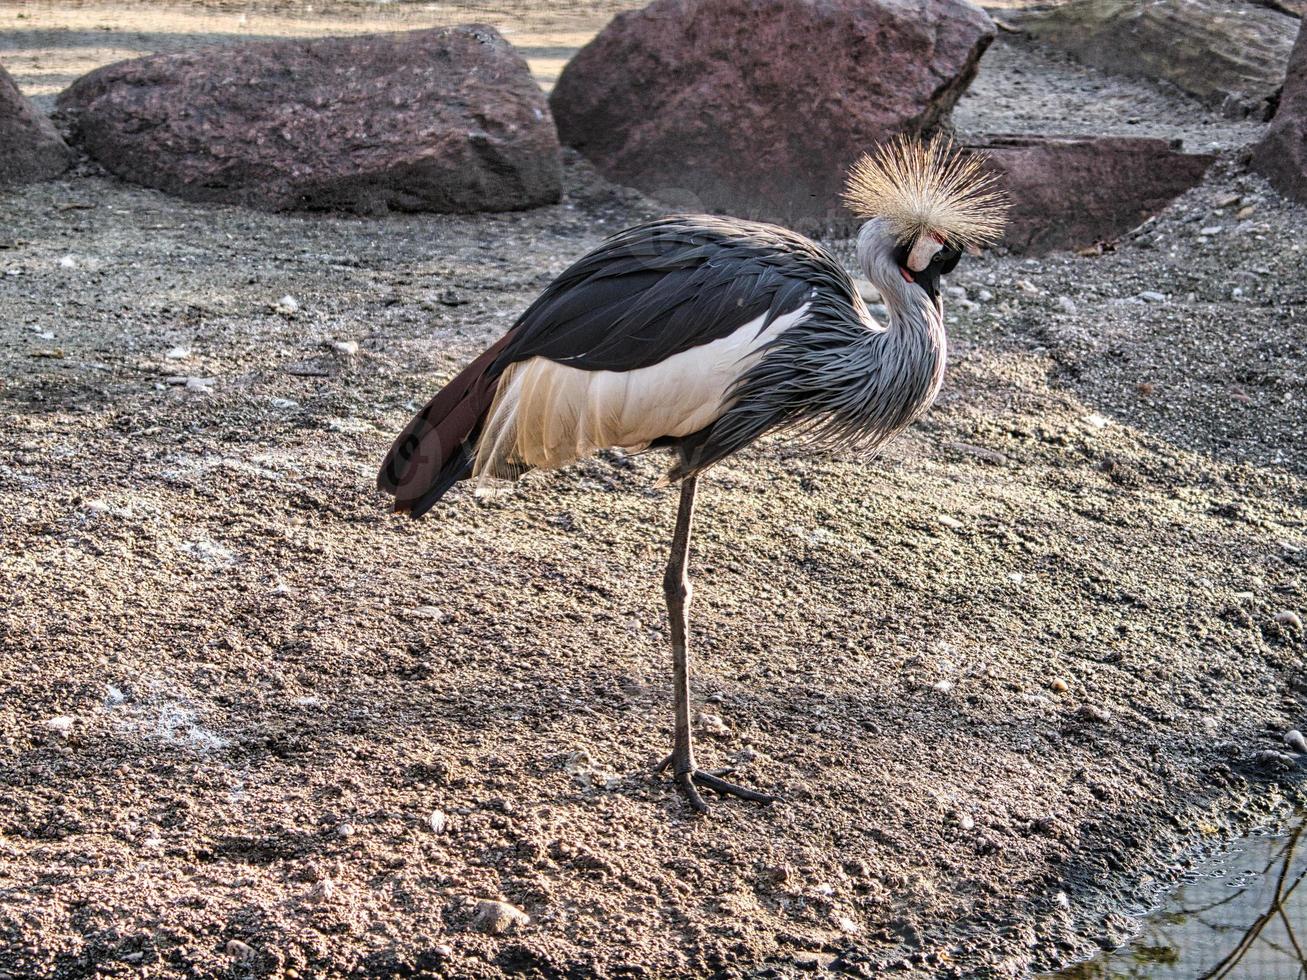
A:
x: 677, y: 590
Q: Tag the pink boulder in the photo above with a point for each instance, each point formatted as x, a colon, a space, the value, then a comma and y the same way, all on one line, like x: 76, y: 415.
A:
x: 1070, y: 192
x: 757, y: 107
x: 30, y: 149
x: 435, y: 120
x: 1282, y: 153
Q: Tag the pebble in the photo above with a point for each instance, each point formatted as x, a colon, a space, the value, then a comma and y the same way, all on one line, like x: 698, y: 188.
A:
x: 68, y: 262
x: 1287, y: 617
x: 203, y: 385
x: 96, y: 508
x: 1210, y: 230
x: 1152, y: 296
x: 1059, y: 686
x: 967, y: 822
x: 1067, y: 304
x: 240, y: 951
x: 1092, y: 712
x: 1026, y: 286
x: 347, y: 347
x: 178, y: 354
x: 984, y: 296
x: 284, y: 403
x: 430, y: 612
x: 496, y: 918
x: 1294, y: 739
x: 711, y: 724
x: 321, y: 892
x: 287, y: 305
x: 1245, y: 212
x: 345, y: 830
x: 438, y: 821
x: 950, y: 522
x: 955, y: 292
x: 63, y: 724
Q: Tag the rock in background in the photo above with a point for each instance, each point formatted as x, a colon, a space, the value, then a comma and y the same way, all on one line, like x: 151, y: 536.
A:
x: 1229, y: 54
x: 757, y: 107
x: 30, y: 149
x: 435, y: 120
x: 1282, y: 153
x: 1072, y: 192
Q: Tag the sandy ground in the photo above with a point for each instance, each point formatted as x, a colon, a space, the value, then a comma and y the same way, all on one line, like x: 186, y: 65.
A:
x: 1009, y: 677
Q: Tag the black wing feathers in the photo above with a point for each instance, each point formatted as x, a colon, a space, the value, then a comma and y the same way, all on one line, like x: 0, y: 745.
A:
x: 666, y: 286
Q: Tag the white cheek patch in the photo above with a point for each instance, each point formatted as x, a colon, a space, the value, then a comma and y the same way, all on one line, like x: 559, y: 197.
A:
x: 922, y: 252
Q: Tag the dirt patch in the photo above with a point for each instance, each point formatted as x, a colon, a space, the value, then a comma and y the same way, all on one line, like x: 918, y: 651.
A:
x: 1006, y: 676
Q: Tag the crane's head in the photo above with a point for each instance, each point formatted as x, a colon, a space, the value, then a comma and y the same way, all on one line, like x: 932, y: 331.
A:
x: 931, y: 201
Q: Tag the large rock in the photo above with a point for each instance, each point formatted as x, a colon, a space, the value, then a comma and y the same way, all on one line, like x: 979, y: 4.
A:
x: 30, y: 149
x: 1071, y: 192
x: 436, y: 120
x: 1229, y: 54
x: 1282, y: 153
x: 757, y: 107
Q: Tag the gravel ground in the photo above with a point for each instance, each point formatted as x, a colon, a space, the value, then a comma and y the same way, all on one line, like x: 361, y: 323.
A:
x: 1010, y: 677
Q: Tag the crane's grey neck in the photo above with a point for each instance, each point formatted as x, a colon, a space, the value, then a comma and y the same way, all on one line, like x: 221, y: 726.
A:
x: 908, y: 305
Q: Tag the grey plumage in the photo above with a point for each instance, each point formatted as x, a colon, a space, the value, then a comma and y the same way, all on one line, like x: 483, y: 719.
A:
x: 837, y: 376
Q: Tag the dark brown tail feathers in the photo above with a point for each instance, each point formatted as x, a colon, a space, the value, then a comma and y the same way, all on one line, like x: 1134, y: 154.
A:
x: 434, y: 451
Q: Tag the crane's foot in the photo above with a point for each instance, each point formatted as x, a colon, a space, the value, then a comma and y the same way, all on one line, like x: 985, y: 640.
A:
x: 687, y: 778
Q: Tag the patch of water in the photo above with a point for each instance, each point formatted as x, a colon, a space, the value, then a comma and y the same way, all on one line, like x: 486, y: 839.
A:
x: 1242, y: 915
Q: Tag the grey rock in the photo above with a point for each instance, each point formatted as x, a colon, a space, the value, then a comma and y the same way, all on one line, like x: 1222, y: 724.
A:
x: 1230, y: 55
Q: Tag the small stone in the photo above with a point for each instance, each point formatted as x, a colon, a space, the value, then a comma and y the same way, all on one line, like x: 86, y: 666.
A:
x: 955, y: 292
x: 321, y: 892
x: 96, y: 508
x: 1236, y: 292
x: 1287, y: 617
x: 1026, y: 286
x: 68, y: 262
x: 1092, y: 712
x: 202, y: 385
x: 430, y: 612
x: 63, y: 724
x: 345, y: 830
x: 443, y: 950
x: 238, y: 950
x: 984, y: 296
x: 1294, y: 739
x: 347, y: 347
x: 1273, y: 761
x: 1066, y: 304
x: 967, y: 822
x: 1246, y: 211
x: 438, y: 822
x: 1152, y: 296
x: 284, y: 403
x: 950, y: 522
x: 943, y: 687
x: 498, y: 918
x: 1228, y: 200
x: 1059, y: 686
x: 178, y: 354
x: 1210, y: 230
x: 711, y: 724
x: 287, y: 306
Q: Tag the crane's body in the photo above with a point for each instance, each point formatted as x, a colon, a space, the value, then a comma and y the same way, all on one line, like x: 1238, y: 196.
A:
x: 701, y: 334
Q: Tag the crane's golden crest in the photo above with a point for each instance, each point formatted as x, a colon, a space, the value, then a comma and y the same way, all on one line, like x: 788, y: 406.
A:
x: 927, y: 188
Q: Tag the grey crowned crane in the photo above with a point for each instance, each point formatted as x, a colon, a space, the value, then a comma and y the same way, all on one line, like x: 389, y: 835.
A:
x: 701, y: 334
